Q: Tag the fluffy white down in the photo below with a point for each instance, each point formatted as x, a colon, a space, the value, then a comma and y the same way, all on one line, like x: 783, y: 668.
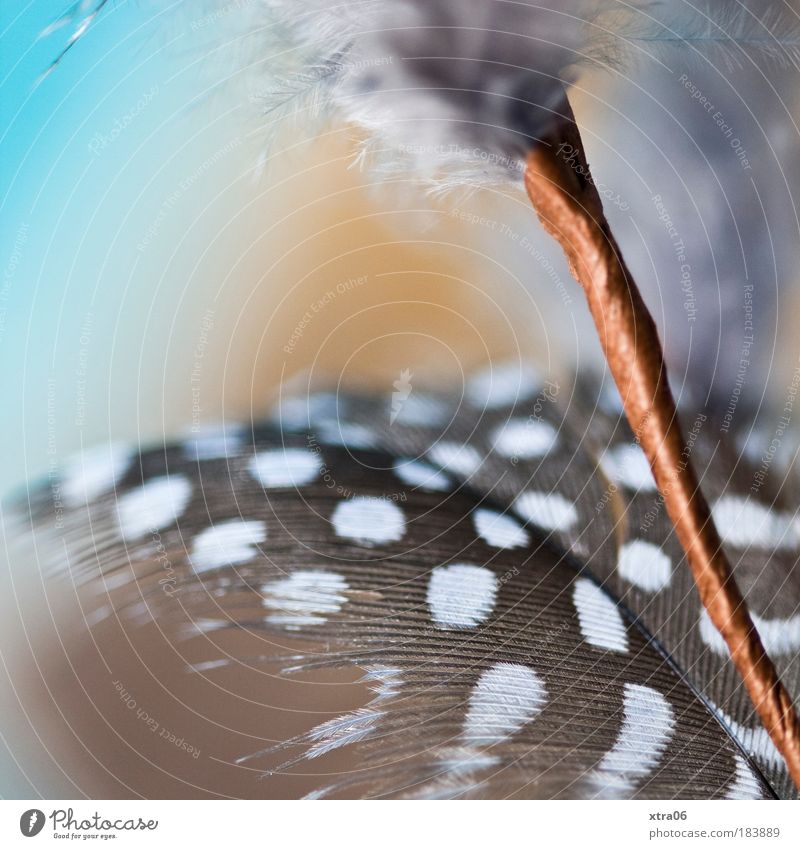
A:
x: 455, y: 90
x: 442, y: 87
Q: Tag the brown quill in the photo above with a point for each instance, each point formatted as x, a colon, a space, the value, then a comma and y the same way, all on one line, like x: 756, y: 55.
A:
x: 559, y: 184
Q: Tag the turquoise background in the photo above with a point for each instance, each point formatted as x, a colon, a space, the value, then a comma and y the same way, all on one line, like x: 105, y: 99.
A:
x: 113, y: 167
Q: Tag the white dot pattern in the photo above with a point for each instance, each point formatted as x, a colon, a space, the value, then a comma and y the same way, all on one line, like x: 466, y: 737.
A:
x: 501, y: 385
x: 743, y: 522
x: 227, y: 544
x: 524, y: 439
x: 94, y: 472
x: 499, y: 530
x: 647, y: 727
x: 548, y: 510
x: 644, y: 565
x: 369, y: 520
x: 153, y: 506
x: 506, y: 698
x: 285, y: 467
x: 460, y: 459
x: 599, y: 617
x: 627, y: 465
x: 418, y: 473
x: 461, y: 595
x: 304, y: 598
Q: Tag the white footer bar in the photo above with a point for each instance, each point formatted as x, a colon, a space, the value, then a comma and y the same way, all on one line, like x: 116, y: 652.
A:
x: 351, y: 825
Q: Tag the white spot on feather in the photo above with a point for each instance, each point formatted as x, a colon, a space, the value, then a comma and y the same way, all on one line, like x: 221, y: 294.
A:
x: 644, y: 565
x: 461, y: 595
x: 226, y: 544
x: 627, y: 465
x: 284, y: 467
x: 755, y: 741
x: 745, y: 785
x: 548, y: 510
x: 348, y: 434
x: 599, y: 618
x: 711, y: 636
x: 214, y: 442
x: 304, y: 598
x: 153, y: 506
x: 420, y: 410
x: 369, y: 520
x: 744, y: 522
x: 506, y: 697
x: 455, y: 457
x: 94, y: 472
x: 647, y: 727
x: 524, y: 438
x: 502, y: 385
x: 499, y: 530
x: 296, y: 413
x: 779, y: 636
x: 420, y: 474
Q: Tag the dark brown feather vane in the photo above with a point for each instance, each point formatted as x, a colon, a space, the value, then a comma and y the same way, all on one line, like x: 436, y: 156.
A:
x: 449, y: 548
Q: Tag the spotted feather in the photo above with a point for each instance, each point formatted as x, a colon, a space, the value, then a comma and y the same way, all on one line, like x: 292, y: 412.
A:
x: 508, y: 653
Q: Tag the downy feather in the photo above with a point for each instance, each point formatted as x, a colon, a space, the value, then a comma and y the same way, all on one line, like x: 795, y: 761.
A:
x: 457, y: 91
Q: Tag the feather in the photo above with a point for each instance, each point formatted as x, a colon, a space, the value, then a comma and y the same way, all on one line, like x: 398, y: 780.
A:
x: 484, y: 98
x: 735, y: 30
x: 569, y: 630
x: 80, y: 16
x: 442, y: 89
x: 455, y: 92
